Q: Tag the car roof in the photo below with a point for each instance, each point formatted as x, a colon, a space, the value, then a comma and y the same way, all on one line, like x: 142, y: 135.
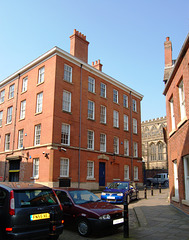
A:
x: 69, y: 189
x: 22, y: 185
x: 121, y: 182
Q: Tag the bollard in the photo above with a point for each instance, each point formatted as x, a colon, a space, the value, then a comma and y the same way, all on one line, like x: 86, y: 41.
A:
x: 152, y: 191
x: 145, y: 192
x: 126, y: 218
x: 159, y: 187
x: 52, y: 226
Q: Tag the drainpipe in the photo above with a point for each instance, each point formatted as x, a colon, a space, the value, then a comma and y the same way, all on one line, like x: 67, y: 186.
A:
x: 131, y: 127
x: 13, y: 141
x: 80, y: 108
x: 15, y: 114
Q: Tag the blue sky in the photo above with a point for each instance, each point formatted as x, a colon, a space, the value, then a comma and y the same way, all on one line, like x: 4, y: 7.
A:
x: 127, y: 36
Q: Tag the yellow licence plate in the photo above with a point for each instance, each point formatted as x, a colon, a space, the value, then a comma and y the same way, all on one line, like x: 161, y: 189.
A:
x: 39, y: 216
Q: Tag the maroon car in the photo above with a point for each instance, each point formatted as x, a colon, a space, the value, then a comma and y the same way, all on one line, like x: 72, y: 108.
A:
x: 87, y: 211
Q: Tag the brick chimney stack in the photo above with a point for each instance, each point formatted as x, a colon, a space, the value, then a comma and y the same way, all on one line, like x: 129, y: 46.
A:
x: 97, y: 65
x: 168, y: 52
x: 79, y: 46
x: 168, y: 59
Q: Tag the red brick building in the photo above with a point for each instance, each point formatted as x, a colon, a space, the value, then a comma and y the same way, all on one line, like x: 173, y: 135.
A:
x: 65, y: 122
x: 176, y: 78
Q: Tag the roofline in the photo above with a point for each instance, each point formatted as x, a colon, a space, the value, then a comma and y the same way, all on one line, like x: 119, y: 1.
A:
x: 177, y: 64
x: 58, y: 51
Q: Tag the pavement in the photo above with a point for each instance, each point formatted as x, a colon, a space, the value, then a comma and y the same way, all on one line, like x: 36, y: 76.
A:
x: 157, y: 219
x: 151, y: 218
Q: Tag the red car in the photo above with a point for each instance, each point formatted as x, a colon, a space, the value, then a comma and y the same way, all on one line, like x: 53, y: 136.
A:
x: 87, y: 211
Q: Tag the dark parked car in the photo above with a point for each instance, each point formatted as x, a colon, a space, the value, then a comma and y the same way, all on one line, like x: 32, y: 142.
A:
x: 116, y: 192
x: 25, y: 211
x: 87, y: 211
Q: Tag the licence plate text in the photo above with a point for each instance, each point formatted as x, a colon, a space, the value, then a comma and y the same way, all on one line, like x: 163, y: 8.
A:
x: 40, y: 216
x: 117, y: 221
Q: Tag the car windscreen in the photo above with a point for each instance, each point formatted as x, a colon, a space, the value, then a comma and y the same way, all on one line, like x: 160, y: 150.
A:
x: 119, y: 185
x: 34, y: 197
x: 83, y: 196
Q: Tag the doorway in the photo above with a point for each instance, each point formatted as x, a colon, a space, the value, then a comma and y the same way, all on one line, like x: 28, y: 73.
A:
x: 102, y: 167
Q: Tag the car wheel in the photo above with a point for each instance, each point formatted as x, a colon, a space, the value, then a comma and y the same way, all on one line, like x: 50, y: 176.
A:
x: 83, y: 227
x: 166, y: 184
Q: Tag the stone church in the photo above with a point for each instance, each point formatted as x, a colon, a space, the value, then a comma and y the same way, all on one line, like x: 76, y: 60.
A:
x: 154, y: 147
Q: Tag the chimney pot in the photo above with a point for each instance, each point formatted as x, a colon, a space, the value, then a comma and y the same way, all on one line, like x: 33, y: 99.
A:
x: 97, y: 65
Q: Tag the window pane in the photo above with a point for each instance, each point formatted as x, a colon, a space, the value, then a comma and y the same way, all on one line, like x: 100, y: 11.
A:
x: 91, y: 84
x: 39, y: 102
x: 41, y: 75
x: 91, y: 110
x: 36, y: 167
x: 90, y: 142
x: 66, y: 101
x: 67, y: 73
x: 102, y: 90
x: 37, y: 134
x: 64, y: 167
x: 65, y: 134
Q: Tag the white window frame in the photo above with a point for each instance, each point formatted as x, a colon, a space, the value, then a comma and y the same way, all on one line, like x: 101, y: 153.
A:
x: 182, y: 100
x: 91, y: 110
x: 103, y: 142
x: 116, y: 119
x: 67, y: 73
x: 176, y: 185
x: 115, y: 96
x: 126, y: 147
x: 35, y: 168
x: 126, y: 172
x: 39, y: 104
x: 20, y: 138
x: 103, y: 114
x: 2, y: 96
x: 135, y: 173
x: 172, y: 113
x: 135, y: 149
x: 24, y: 84
x: 41, y: 75
x: 134, y: 105
x: 7, y: 142
x: 37, y: 138
x: 91, y: 84
x: 22, y: 109
x: 186, y: 176
x: 64, y: 167
x: 116, y: 145
x: 11, y: 91
x: 90, y: 139
x: 134, y: 126
x: 1, y: 118
x: 125, y: 101
x: 126, y: 122
x: 9, y: 114
x: 66, y: 105
x: 90, y: 169
x: 103, y: 90
x: 65, y: 134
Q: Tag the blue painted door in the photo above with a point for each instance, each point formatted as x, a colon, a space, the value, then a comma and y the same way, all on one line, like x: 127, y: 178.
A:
x: 101, y: 174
